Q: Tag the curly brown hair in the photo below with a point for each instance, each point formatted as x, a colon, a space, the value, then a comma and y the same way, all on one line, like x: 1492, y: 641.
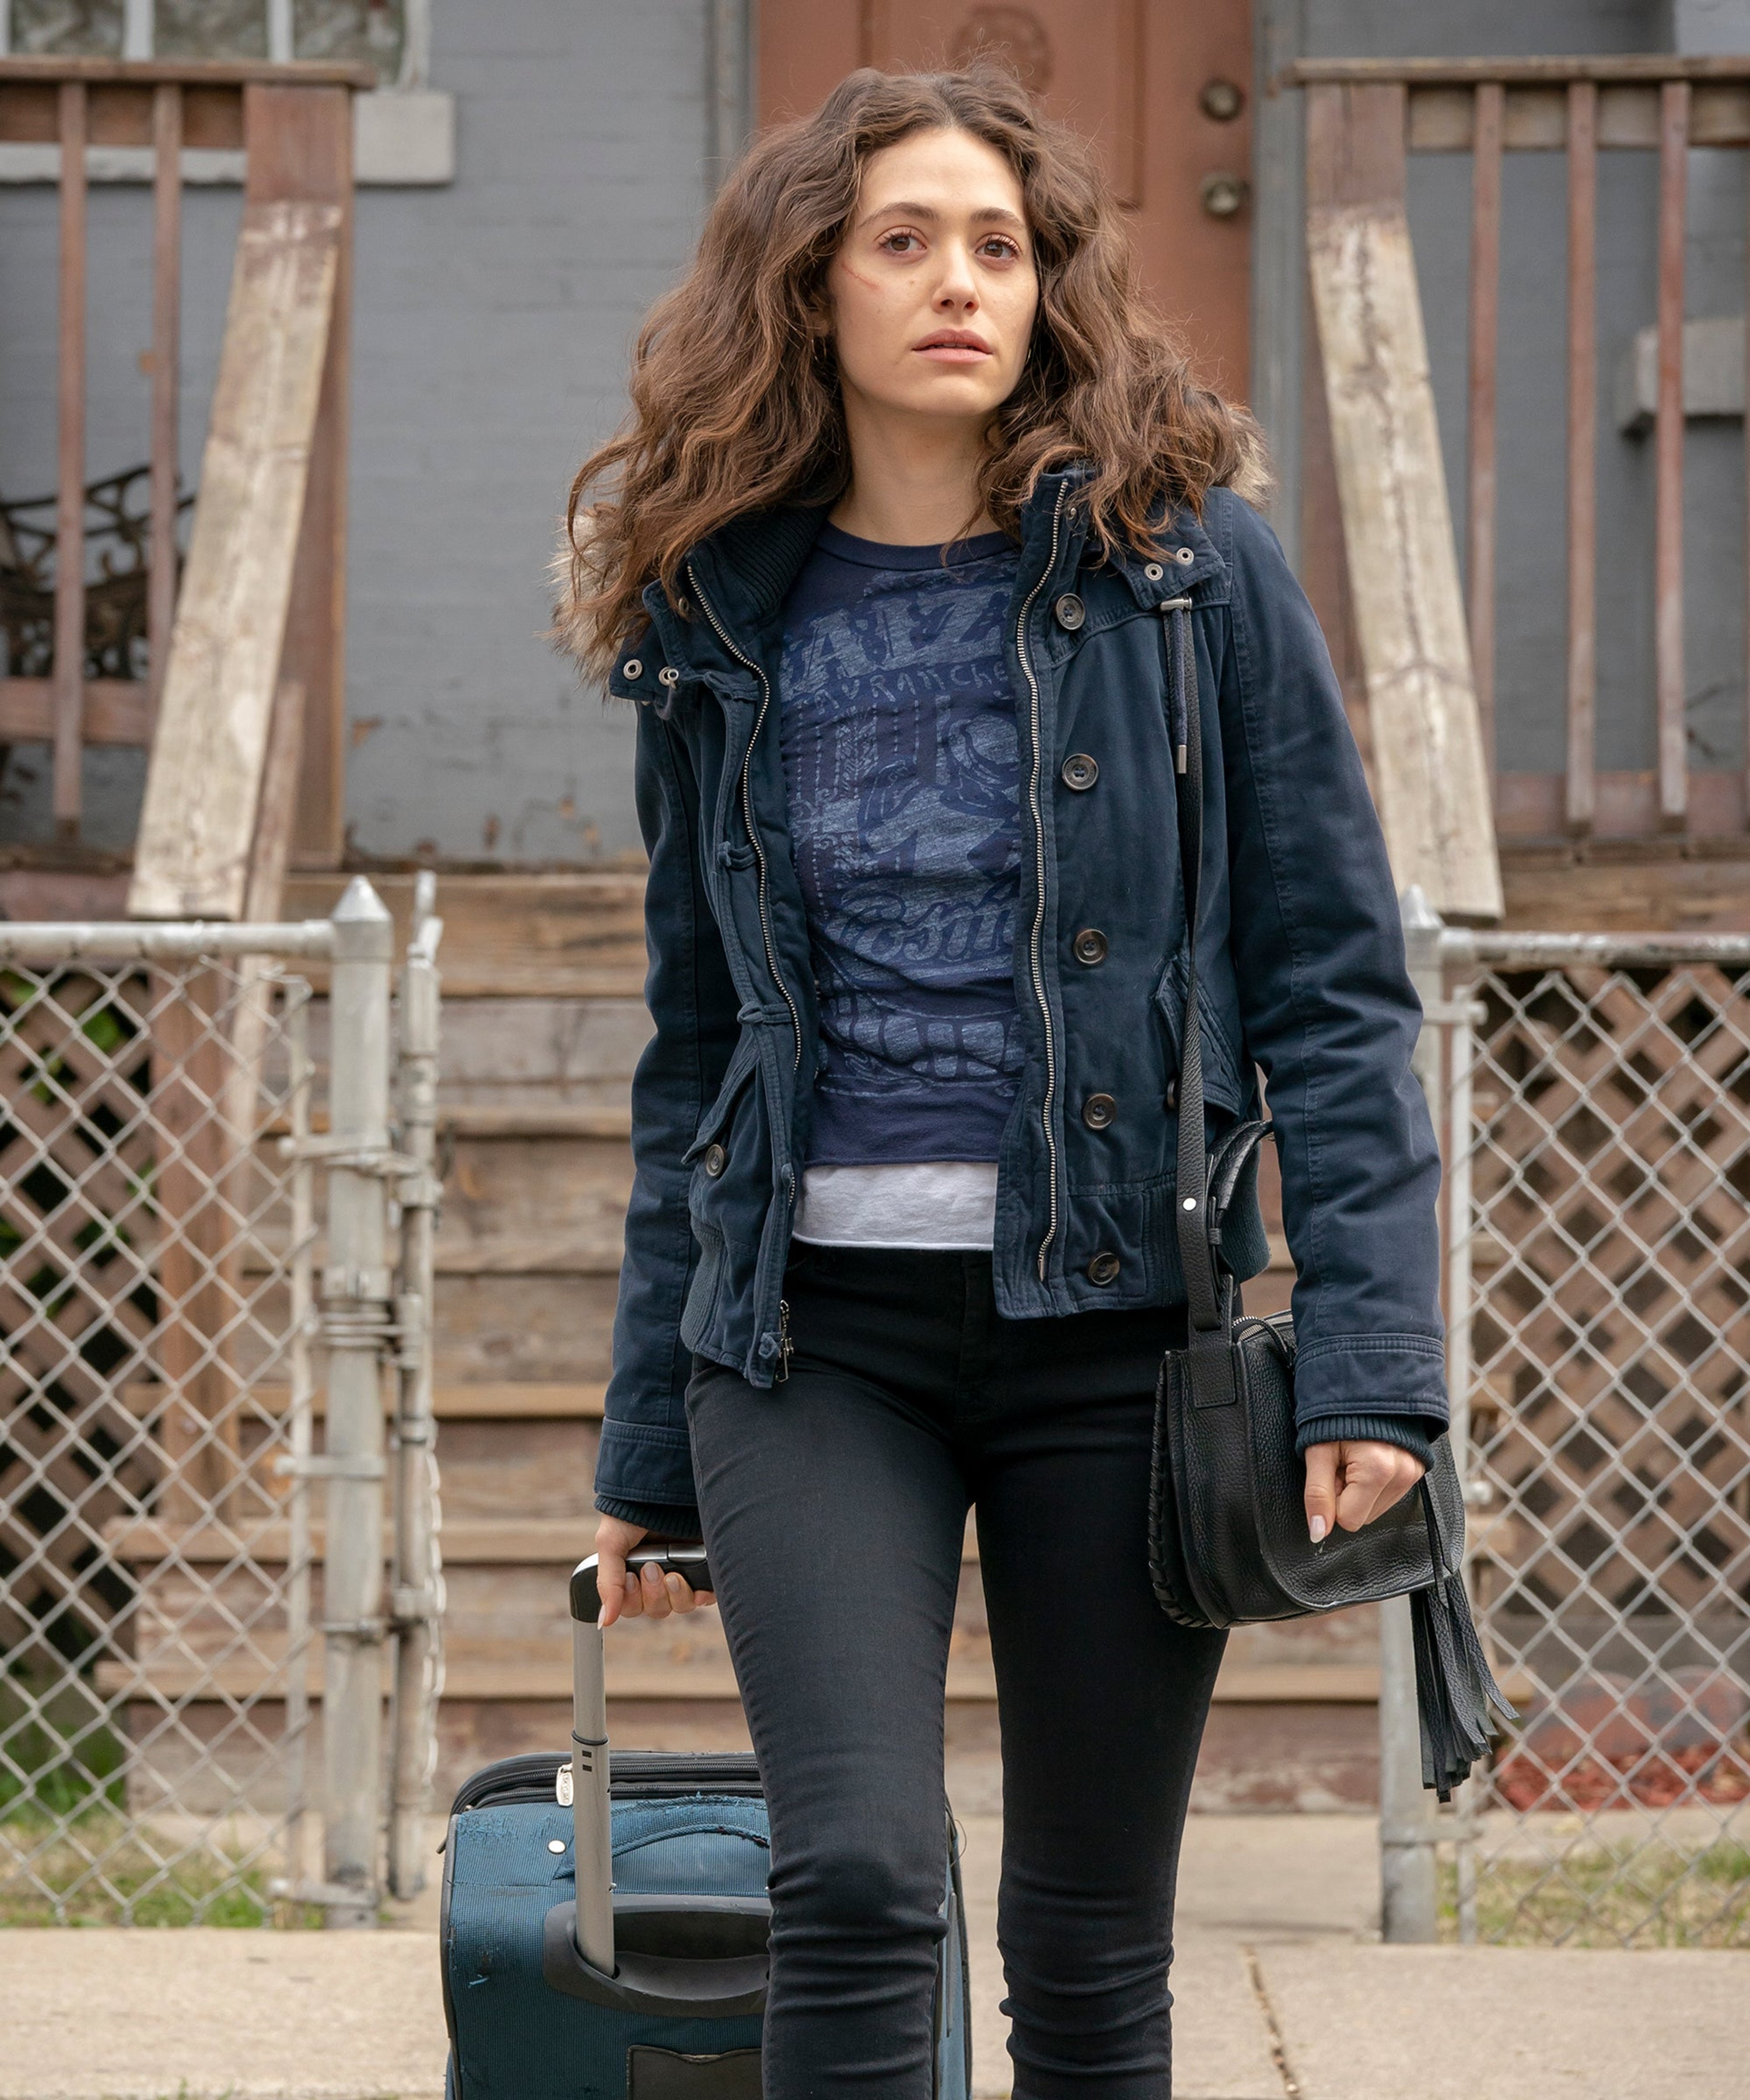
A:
x: 735, y: 405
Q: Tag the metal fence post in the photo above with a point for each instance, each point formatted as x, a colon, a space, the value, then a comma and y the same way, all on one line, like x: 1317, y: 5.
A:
x: 418, y: 1594
x: 356, y: 1293
x: 1407, y: 1831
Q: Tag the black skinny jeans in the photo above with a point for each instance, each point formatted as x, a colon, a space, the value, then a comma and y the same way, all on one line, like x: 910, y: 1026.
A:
x: 834, y: 1507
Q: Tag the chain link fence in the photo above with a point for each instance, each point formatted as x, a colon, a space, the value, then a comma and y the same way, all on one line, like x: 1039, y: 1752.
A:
x: 1597, y: 1092
x: 167, y: 1191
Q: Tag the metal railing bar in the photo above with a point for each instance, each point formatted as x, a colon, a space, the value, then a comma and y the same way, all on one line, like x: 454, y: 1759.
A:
x: 1581, y: 789
x: 1657, y: 66
x: 69, y: 940
x: 1667, y: 443
x: 70, y: 522
x: 1505, y: 949
x: 166, y: 369
x: 1485, y: 336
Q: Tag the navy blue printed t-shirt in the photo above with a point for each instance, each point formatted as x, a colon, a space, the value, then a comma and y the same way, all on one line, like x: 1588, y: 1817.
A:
x: 902, y: 762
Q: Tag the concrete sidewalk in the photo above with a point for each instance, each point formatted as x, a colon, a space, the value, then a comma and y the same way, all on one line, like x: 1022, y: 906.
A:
x: 1281, y: 1994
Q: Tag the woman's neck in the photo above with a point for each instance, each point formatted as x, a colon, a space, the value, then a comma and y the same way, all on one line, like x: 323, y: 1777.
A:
x: 914, y: 481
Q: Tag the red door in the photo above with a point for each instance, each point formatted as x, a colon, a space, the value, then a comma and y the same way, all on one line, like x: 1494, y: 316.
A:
x: 1163, y: 86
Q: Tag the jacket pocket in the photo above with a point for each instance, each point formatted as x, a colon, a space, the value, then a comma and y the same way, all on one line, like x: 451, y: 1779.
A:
x: 1222, y: 1087
x: 731, y: 1155
x: 742, y: 1063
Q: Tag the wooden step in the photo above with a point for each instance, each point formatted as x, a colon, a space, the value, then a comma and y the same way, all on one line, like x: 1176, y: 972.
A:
x: 567, y: 935
x: 555, y: 1544
x: 495, y: 1670
x: 530, y: 1402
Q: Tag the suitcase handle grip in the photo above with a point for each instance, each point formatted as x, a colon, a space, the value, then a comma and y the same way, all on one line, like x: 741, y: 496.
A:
x: 686, y: 1560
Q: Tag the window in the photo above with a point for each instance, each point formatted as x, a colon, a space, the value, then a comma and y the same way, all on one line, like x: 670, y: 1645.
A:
x: 405, y: 131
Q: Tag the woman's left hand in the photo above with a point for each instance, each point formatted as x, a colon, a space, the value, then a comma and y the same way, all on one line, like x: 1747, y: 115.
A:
x: 1352, y: 1484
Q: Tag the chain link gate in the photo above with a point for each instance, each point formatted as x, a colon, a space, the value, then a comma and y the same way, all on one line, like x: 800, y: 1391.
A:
x: 1597, y: 1098
x: 178, y: 1639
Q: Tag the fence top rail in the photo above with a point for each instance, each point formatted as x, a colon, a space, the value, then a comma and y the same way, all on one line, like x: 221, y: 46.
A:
x: 68, y: 940
x: 1466, y: 946
x: 1641, y: 67
x: 186, y: 73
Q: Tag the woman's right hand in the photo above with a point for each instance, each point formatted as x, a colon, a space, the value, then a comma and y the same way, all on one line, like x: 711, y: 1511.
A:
x: 651, y: 1594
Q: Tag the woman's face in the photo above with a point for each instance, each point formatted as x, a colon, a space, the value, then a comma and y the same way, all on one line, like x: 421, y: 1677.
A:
x: 933, y: 292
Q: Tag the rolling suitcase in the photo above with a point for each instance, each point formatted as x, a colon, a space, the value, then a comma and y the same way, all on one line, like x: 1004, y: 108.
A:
x: 604, y: 1924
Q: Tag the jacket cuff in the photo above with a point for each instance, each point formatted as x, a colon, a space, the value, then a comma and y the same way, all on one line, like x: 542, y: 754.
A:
x: 644, y: 1464
x: 663, y: 1519
x: 1405, y: 1430
x: 1371, y: 1374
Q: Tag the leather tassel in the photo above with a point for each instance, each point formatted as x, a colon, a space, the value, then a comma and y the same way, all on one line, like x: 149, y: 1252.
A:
x: 1455, y: 1688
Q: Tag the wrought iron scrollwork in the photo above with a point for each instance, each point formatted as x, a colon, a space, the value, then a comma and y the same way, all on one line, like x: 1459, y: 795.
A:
x: 117, y: 564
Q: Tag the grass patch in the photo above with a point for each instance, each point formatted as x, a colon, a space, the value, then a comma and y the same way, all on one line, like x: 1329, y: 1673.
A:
x: 99, y: 1872
x: 46, y: 1774
x: 1636, y: 1895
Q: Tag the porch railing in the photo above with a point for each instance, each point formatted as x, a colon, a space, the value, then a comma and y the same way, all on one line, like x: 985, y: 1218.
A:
x: 1377, y: 110
x: 260, y: 613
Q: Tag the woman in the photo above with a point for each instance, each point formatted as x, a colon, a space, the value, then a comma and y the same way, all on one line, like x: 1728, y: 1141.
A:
x: 881, y: 557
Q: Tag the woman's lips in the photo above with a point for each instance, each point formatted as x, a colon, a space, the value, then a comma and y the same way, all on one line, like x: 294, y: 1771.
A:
x: 953, y: 353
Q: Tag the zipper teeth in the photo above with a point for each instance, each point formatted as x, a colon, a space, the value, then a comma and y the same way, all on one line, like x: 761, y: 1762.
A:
x: 1038, y: 913
x: 747, y: 807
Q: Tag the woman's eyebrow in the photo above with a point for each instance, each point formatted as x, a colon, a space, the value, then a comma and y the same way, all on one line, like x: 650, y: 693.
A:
x: 986, y: 215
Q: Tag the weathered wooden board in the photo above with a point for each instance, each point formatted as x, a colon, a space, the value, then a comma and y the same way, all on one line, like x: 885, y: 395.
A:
x: 203, y: 785
x: 1430, y: 776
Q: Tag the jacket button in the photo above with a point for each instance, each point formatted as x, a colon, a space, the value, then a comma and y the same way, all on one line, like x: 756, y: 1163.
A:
x: 716, y: 1160
x: 1172, y: 1096
x: 632, y: 668
x: 1184, y: 556
x: 1070, y: 612
x: 1104, y: 1268
x: 1089, y: 945
x: 1080, y: 772
x: 1099, y: 1111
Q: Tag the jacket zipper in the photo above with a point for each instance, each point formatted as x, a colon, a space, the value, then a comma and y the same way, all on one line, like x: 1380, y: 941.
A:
x: 1038, y: 914
x: 747, y: 664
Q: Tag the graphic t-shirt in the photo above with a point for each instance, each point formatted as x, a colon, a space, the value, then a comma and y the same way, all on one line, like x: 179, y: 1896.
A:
x: 902, y: 761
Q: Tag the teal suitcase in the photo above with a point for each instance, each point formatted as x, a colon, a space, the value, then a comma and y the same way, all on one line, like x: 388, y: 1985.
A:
x: 642, y: 1976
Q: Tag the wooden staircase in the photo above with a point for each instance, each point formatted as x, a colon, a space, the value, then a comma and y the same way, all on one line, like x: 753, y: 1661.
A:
x: 543, y: 1021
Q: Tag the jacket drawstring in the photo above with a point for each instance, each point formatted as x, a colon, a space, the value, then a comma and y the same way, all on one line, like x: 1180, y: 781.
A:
x: 1181, y: 666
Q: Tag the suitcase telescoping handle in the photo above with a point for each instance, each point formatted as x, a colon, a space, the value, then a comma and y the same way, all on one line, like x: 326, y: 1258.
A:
x: 591, y: 1845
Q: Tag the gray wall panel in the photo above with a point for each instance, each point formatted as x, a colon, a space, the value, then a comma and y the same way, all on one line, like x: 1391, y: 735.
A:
x: 492, y: 322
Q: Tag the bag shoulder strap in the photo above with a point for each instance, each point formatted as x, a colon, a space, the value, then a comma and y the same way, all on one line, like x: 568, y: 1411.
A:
x: 1208, y: 1294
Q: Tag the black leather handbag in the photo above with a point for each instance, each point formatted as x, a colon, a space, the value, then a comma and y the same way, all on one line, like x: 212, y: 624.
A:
x: 1228, y: 1544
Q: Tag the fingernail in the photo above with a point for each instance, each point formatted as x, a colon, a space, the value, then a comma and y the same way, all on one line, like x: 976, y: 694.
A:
x: 1317, y: 1527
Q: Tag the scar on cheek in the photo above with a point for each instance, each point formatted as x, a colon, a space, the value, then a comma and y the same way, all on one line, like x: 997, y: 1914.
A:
x: 859, y: 276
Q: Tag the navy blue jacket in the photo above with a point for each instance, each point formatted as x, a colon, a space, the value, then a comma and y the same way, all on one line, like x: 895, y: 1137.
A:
x: 1299, y: 947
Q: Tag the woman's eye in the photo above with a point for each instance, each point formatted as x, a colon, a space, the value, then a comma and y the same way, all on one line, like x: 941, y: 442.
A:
x: 997, y: 248
x: 899, y: 243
